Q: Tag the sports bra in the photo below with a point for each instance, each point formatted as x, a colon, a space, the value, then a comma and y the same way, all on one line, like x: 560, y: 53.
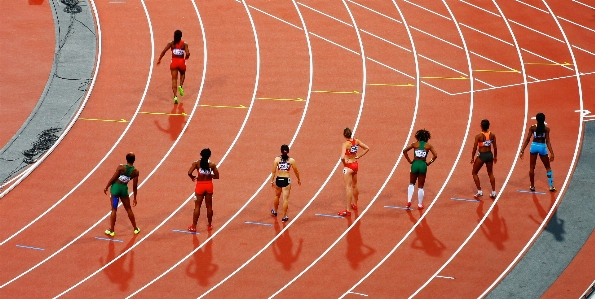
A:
x: 421, y: 153
x: 353, y: 149
x: 125, y: 178
x: 178, y: 50
x: 203, y: 171
x: 284, y: 165
x: 487, y: 142
x: 542, y: 135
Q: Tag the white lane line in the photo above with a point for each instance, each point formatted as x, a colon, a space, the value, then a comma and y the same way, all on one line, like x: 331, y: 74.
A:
x: 374, y: 11
x: 438, y: 14
x: 438, y: 38
x: 453, y: 69
x: 446, y: 277
x: 574, y: 158
x: 385, y: 40
x: 324, y: 14
x: 274, y: 17
x: 536, y: 31
x: 24, y: 174
x: 311, y: 72
x: 480, y: 8
x: 577, y: 24
x: 332, y: 42
x: 578, y: 2
x: 451, y: 170
x: 361, y: 107
x: 532, y: 6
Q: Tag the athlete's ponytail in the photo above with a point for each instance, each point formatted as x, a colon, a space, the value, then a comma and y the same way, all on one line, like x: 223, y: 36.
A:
x: 540, y: 117
x: 284, y: 152
x: 177, y: 36
x: 205, y: 154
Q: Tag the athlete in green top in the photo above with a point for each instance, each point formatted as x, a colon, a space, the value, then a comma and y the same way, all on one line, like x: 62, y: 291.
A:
x: 119, y: 191
x: 419, y: 166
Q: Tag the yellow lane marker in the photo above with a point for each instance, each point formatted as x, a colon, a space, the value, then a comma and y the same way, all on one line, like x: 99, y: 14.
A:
x: 164, y: 113
x: 498, y: 71
x: 447, y: 78
x: 389, y: 84
x: 545, y: 63
x: 106, y: 120
x: 283, y: 99
x: 219, y: 106
x: 341, y: 92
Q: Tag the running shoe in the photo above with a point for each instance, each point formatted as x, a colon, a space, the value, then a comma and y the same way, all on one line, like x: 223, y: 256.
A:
x: 175, y: 100
x: 478, y: 195
x: 136, y: 231
x: 408, y: 204
x: 532, y: 188
x: 354, y: 207
x: 273, y: 213
x: 191, y: 228
x: 552, y: 189
x: 493, y: 195
x: 344, y: 213
x: 210, y: 227
x: 285, y: 219
x: 110, y: 232
x: 181, y: 90
x: 420, y: 207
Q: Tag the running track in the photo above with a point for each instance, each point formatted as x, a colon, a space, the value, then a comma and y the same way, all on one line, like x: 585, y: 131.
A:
x: 289, y: 50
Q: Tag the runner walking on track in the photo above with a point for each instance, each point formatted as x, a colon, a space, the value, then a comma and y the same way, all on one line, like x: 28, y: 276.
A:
x: 281, y: 182
x: 119, y: 191
x: 179, y: 54
x: 541, y: 139
x: 419, y: 166
x: 483, y: 144
x: 349, y: 157
x: 206, y: 172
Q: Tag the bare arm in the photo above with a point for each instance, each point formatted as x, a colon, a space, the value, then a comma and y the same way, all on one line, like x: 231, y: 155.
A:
x: 547, y: 142
x: 274, y: 171
x: 365, y: 147
x: 215, y: 171
x: 113, y: 179
x: 135, y: 187
x: 434, y: 155
x: 295, y: 170
x: 186, y: 50
x: 406, y: 150
x: 191, y: 170
x: 343, y: 149
x: 527, y: 140
x: 163, y: 52
x: 475, y: 142
x: 495, y: 149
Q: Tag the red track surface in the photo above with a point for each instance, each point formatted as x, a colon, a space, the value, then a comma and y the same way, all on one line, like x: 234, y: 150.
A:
x: 340, y: 251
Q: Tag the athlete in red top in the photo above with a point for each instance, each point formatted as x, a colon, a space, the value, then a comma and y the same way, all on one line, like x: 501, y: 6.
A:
x: 349, y: 157
x: 207, y: 171
x: 179, y: 54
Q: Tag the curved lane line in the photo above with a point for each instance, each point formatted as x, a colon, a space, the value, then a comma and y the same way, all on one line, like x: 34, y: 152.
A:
x: 20, y: 177
x: 454, y: 164
x: 574, y: 158
x: 512, y: 168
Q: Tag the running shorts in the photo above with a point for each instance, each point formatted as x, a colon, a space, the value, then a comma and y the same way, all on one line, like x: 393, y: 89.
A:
x: 353, y: 166
x: 486, y: 157
x: 538, y: 148
x: 282, y: 182
x: 203, y: 187
x: 419, y: 167
x: 178, y: 63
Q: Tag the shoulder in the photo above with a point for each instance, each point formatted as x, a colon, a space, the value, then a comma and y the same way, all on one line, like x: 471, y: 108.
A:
x: 212, y: 165
x: 277, y: 159
x: 291, y: 160
x: 492, y: 135
x: 428, y: 145
x: 135, y: 172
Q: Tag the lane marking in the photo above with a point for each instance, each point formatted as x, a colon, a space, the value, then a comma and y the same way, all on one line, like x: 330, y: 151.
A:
x: 165, y: 113
x: 447, y: 277
x: 545, y: 63
x: 532, y: 6
x: 355, y: 293
x: 446, y: 78
x: 30, y: 247
x: 499, y: 71
x: 465, y: 199
x: 338, y: 92
x: 398, y: 207
x: 184, y: 231
x: 105, y: 120
x: 258, y: 223
x: 223, y: 106
x: 283, y: 99
x: 406, y: 1
x: 578, y: 2
x: 329, y: 215
x: 529, y: 191
x: 391, y: 84
x: 376, y: 12
x: 108, y: 239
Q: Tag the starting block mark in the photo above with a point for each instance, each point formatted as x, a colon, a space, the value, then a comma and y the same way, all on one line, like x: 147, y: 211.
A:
x: 30, y: 247
x: 498, y: 71
x: 258, y: 223
x: 529, y: 191
x: 361, y: 294
x: 108, y: 239
x: 399, y: 208
x: 105, y: 120
x: 165, y: 113
x: 391, y: 84
x: 329, y: 215
x: 184, y: 231
x: 465, y: 199
x: 283, y: 99
x: 339, y: 92
x: 447, y: 277
x: 445, y: 78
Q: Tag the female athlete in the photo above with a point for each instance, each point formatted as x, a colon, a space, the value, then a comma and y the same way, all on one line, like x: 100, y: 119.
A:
x: 349, y: 157
x: 483, y: 144
x: 541, y: 139
x: 419, y: 166
x: 179, y: 54
x: 281, y: 182
x: 118, y: 186
x: 206, y: 172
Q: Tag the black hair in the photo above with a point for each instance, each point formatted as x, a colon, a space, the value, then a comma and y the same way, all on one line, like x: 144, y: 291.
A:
x: 177, y: 36
x: 347, y: 133
x: 422, y: 135
x: 130, y: 158
x: 540, y: 117
x: 205, y: 154
x: 284, y: 152
x: 485, y: 124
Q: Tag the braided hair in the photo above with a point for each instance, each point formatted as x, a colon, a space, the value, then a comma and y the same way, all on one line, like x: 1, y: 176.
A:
x: 284, y: 152
x: 177, y: 37
x: 205, y: 154
x: 540, y: 117
x: 422, y: 135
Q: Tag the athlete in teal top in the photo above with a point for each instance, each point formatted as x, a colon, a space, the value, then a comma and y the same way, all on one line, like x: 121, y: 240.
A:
x: 419, y: 166
x: 119, y: 191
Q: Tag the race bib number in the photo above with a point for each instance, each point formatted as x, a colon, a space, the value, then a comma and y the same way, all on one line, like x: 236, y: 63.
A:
x: 284, y: 166
x: 124, y: 179
x: 487, y: 143
x: 420, y: 153
x: 178, y: 52
x: 353, y: 149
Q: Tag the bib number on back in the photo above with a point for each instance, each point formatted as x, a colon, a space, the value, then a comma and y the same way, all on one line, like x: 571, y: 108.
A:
x: 178, y: 52
x: 420, y: 153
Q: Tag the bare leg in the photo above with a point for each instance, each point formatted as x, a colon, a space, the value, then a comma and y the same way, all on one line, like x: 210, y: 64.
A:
x: 276, y: 200
x: 476, y: 167
x: 112, y: 219
x: 182, y: 77
x: 209, y: 203
x: 355, y: 189
x: 126, y: 204
x: 197, y: 205
x: 532, y: 161
x: 348, y: 178
x: 546, y: 162
x: 421, y: 180
x: 489, y: 168
x: 286, y: 191
x: 174, y: 82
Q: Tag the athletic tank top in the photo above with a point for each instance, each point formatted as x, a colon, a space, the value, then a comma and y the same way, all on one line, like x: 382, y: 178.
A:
x: 421, y: 153
x: 178, y: 50
x: 487, y: 141
x: 537, y: 136
x: 353, y: 149
x: 125, y: 178
x: 284, y: 165
x: 204, y: 171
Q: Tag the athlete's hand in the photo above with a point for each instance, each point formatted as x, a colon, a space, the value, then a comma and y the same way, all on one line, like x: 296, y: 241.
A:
x: 552, y: 158
x: 134, y: 202
x: 495, y: 160
x: 472, y: 160
x: 299, y: 183
x: 521, y: 155
x: 273, y: 184
x: 105, y: 191
x: 158, y: 61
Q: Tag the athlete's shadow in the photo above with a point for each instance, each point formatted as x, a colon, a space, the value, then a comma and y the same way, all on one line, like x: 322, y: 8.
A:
x: 495, y: 229
x: 202, y: 267
x: 176, y: 122
x: 283, y: 247
x: 357, y: 251
x: 117, y: 272
x: 556, y: 225
x: 424, y: 238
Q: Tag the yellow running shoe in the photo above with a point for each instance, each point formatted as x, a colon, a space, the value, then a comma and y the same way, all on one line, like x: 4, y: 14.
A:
x: 181, y: 90
x: 110, y: 233
x: 136, y: 231
x: 175, y: 100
